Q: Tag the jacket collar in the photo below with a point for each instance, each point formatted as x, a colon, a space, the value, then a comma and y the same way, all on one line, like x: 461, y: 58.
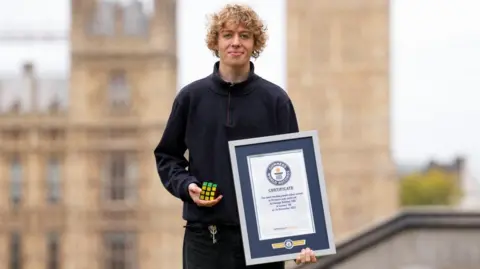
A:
x: 223, y: 87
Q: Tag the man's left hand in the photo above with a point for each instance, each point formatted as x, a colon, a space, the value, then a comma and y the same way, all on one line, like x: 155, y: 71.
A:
x: 306, y: 256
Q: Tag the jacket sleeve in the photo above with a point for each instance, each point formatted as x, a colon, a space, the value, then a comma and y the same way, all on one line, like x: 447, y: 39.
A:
x: 169, y: 154
x: 287, y: 118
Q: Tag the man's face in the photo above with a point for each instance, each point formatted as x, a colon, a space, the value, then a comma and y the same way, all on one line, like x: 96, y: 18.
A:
x: 235, y: 45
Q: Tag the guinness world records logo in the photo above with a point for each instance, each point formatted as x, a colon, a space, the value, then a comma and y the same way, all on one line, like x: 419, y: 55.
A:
x: 278, y: 173
x: 288, y: 244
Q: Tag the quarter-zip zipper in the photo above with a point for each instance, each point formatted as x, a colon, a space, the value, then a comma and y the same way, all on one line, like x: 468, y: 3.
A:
x: 228, y: 104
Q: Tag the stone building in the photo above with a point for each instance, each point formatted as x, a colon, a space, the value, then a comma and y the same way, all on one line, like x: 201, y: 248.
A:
x: 338, y: 77
x: 76, y: 152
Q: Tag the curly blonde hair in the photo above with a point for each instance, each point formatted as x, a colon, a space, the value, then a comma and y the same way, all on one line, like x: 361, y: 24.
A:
x: 238, y: 14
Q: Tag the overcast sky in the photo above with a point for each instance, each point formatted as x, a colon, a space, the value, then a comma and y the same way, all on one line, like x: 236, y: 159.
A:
x: 435, y: 63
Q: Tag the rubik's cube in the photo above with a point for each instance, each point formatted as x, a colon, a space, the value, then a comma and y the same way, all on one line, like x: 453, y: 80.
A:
x: 209, y: 190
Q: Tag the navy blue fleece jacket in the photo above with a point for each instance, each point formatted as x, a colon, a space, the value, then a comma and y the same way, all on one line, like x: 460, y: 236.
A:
x: 205, y: 115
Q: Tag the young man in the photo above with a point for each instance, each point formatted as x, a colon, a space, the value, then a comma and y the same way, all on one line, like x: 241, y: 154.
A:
x: 231, y: 103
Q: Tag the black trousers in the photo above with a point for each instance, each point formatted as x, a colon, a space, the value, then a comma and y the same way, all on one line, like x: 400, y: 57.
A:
x: 199, y: 251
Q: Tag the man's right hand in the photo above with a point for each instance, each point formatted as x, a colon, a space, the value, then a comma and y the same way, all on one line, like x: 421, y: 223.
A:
x: 194, y: 190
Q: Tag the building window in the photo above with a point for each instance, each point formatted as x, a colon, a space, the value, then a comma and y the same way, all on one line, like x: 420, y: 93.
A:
x: 16, y: 181
x: 15, y: 251
x: 121, y: 176
x: 53, y: 180
x: 103, y: 20
x: 119, y: 250
x: 118, y: 90
x: 135, y: 20
x: 53, y: 251
x: 118, y: 177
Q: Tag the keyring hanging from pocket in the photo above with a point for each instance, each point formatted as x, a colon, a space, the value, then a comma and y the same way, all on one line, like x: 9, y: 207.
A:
x: 213, y: 231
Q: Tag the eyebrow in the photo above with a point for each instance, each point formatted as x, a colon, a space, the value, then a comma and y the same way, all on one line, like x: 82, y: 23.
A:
x: 231, y: 31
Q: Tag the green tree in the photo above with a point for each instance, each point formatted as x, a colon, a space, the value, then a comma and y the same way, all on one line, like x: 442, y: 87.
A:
x: 434, y: 187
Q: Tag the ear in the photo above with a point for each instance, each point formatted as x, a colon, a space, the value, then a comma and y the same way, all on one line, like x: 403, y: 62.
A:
x: 215, y: 49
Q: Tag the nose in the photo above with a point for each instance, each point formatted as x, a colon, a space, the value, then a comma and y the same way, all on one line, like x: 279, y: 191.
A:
x: 236, y: 41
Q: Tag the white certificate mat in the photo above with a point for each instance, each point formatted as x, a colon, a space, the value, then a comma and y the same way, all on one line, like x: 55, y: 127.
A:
x: 281, y: 195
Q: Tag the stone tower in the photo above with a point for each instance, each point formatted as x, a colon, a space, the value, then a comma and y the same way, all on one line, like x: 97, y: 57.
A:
x: 338, y: 77
x: 122, y: 84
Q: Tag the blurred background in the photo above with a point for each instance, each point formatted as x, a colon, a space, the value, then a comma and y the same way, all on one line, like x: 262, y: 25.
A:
x: 86, y: 87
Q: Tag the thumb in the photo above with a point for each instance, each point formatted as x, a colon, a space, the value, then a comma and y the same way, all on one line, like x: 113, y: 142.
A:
x: 194, y: 188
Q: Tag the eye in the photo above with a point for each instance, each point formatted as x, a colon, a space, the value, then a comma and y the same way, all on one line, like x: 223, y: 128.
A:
x: 227, y: 35
x: 245, y: 36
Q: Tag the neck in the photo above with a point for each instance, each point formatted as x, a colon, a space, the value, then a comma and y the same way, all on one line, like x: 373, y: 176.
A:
x: 234, y: 74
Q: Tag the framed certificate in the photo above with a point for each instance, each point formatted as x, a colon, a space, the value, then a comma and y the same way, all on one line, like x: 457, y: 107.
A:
x: 281, y: 197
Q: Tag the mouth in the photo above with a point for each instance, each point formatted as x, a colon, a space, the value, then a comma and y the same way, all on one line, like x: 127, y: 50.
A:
x: 235, y: 53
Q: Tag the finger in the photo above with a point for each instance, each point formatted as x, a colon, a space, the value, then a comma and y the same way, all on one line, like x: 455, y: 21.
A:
x: 299, y: 259
x: 207, y: 203
x: 195, y: 196
x: 211, y: 203
x: 302, y: 255
x: 196, y: 190
x: 201, y: 202
x: 314, y: 258
x: 308, y: 255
